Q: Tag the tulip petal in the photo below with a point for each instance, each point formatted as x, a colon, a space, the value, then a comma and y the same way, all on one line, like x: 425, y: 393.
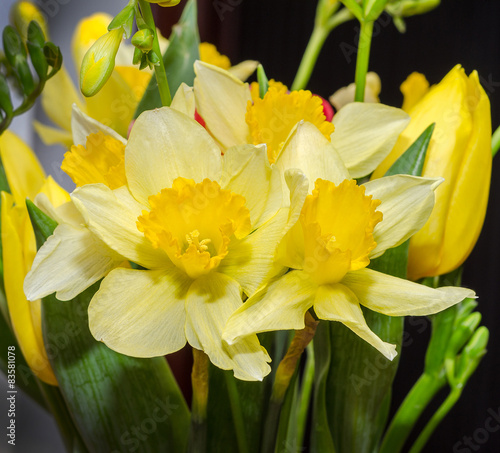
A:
x: 398, y: 297
x: 365, y: 134
x: 24, y: 173
x: 176, y: 146
x: 140, y: 313
x: 24, y: 315
x: 221, y: 100
x: 339, y: 303
x: 246, y: 168
x: 112, y: 216
x: 279, y: 306
x: 308, y: 150
x: 210, y: 302
x: 407, y: 203
x: 183, y: 100
x: 70, y: 261
x: 83, y: 125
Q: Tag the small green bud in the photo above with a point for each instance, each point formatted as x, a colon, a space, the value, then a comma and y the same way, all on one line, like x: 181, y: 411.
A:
x: 99, y: 62
x: 143, y: 39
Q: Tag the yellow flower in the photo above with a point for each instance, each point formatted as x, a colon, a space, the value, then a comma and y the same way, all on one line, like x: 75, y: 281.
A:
x: 460, y: 152
x: 114, y: 105
x: 364, y: 133
x: 26, y: 179
x: 341, y: 227
x: 204, y: 227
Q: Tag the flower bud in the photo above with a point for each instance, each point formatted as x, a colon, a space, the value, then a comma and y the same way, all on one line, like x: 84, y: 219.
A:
x: 99, y: 62
x: 460, y: 152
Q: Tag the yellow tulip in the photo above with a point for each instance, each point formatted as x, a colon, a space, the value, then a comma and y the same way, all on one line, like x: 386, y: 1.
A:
x: 460, y: 152
x: 26, y: 179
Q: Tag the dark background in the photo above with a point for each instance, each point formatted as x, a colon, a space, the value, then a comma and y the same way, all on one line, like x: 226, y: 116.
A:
x: 276, y: 33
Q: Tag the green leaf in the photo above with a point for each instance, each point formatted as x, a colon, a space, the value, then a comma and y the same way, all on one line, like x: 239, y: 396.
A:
x: 179, y: 58
x: 118, y: 403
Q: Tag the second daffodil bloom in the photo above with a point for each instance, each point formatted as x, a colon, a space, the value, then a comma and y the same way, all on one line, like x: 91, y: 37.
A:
x: 204, y: 228
x: 26, y: 179
x: 341, y: 227
x: 460, y: 152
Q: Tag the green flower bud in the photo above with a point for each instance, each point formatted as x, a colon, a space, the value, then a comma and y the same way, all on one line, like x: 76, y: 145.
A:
x: 99, y: 62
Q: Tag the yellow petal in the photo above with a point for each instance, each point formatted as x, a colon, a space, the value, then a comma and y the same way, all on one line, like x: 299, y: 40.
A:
x: 25, y: 316
x: 140, y: 313
x: 398, y: 297
x: 177, y: 147
x: 339, y: 303
x: 210, y: 302
x: 24, y: 173
x: 279, y: 306
x: 221, y: 100
x: 365, y: 134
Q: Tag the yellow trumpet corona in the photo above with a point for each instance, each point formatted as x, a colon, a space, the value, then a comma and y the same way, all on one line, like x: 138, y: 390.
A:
x: 460, y: 152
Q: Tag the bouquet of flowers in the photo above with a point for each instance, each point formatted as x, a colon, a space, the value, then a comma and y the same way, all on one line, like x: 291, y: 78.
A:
x: 278, y: 242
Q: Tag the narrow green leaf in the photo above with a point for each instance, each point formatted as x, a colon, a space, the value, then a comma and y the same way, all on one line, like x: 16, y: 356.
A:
x: 118, y: 403
x: 179, y: 58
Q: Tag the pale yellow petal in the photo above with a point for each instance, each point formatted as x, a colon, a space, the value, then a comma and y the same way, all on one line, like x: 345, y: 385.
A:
x: 183, y: 100
x: 83, y: 125
x: 221, y: 100
x: 407, y: 203
x: 211, y: 301
x: 339, y: 303
x: 365, y: 134
x: 280, y: 306
x: 246, y: 171
x: 112, y: 216
x: 397, y: 297
x: 244, y: 69
x: 140, y: 313
x: 24, y: 173
x: 176, y: 145
x: 308, y: 150
x: 70, y: 261
x: 52, y: 135
x: 24, y: 315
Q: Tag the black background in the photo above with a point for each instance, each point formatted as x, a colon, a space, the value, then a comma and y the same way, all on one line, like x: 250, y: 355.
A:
x: 467, y: 32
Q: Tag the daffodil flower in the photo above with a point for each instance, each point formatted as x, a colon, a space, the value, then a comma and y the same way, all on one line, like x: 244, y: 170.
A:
x: 204, y: 227
x: 362, y: 133
x: 341, y: 227
x: 26, y: 178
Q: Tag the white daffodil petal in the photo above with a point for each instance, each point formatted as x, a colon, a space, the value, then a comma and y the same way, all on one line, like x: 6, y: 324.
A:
x: 83, y: 125
x: 246, y: 171
x: 140, y: 313
x: 365, y: 134
x: 112, y: 216
x: 176, y: 145
x: 398, y: 297
x: 339, y: 303
x: 407, y: 203
x: 221, y: 100
x: 210, y: 301
x: 244, y: 69
x: 279, y: 306
x: 183, y: 100
x: 308, y: 150
x: 70, y: 261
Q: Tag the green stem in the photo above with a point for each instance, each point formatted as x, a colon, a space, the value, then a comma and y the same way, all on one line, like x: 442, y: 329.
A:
x: 239, y: 423
x: 199, y: 381
x: 364, y: 45
x: 305, y: 395
x: 314, y: 46
x: 436, y: 419
x: 410, y: 410
x: 160, y: 73
x: 495, y: 142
